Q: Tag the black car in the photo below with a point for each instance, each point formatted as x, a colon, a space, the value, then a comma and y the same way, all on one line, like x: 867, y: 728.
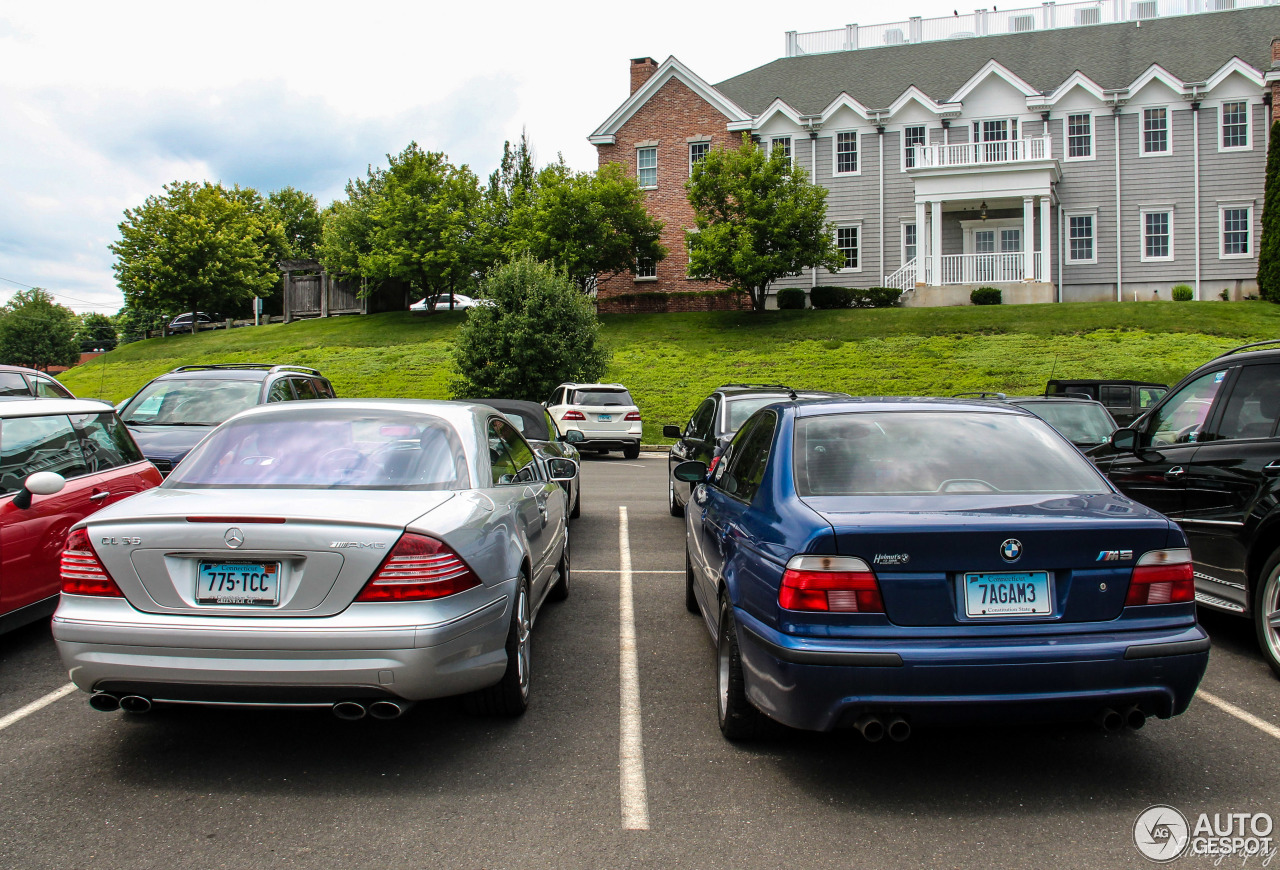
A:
x: 539, y: 428
x: 1208, y: 456
x: 22, y: 383
x: 182, y: 323
x: 175, y: 411
x: 1085, y: 422
x: 714, y: 424
x: 1126, y: 400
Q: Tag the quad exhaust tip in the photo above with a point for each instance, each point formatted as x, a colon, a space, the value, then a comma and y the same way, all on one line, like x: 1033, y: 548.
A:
x: 1135, y: 718
x: 104, y: 702
x: 871, y: 728
x: 387, y: 709
x: 899, y: 729
x: 135, y: 704
x: 349, y: 711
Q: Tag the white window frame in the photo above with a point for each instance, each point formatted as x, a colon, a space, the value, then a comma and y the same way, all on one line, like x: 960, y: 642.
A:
x: 1142, y: 132
x: 1250, y: 240
x: 902, y: 146
x: 1066, y: 217
x: 1066, y: 138
x: 902, y: 241
x: 1142, y: 232
x: 791, y: 146
x: 1248, y: 127
x: 692, y: 145
x: 851, y: 225
x: 640, y: 149
x: 653, y: 265
x: 835, y: 156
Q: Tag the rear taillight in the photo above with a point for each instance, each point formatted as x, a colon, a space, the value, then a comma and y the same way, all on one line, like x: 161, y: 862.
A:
x: 419, y: 568
x: 632, y: 416
x: 82, y: 572
x: 573, y: 415
x: 1162, y: 577
x: 836, y: 584
x: 715, y: 460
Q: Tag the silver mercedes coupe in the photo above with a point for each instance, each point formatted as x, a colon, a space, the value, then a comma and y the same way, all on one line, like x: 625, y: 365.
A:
x: 352, y: 554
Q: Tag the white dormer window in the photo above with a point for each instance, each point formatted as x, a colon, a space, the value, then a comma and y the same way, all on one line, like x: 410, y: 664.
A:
x: 1155, y: 132
x: 1235, y: 126
x: 1080, y: 137
x: 913, y: 137
x: 781, y: 145
x: 846, y: 153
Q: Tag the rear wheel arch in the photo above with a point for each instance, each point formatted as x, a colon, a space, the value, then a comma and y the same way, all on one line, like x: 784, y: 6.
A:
x: 1266, y: 541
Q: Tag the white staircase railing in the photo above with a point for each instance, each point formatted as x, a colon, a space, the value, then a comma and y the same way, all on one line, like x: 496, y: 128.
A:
x: 903, y: 279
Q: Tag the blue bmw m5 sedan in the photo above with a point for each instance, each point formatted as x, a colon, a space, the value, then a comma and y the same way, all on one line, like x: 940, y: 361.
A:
x: 887, y: 563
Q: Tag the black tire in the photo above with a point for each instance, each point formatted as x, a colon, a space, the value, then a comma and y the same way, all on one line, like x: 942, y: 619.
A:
x: 564, y: 568
x: 677, y: 509
x: 738, y: 717
x: 577, y: 501
x: 1266, y: 612
x: 510, y: 695
x: 631, y: 451
x: 690, y: 599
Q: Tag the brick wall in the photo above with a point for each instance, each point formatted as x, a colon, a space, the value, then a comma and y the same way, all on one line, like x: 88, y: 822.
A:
x: 670, y: 119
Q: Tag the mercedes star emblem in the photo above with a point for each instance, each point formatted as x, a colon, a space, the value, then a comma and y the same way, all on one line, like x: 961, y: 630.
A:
x: 234, y: 538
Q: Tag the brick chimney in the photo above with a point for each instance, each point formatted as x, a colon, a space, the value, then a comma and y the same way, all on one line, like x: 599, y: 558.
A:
x: 641, y: 69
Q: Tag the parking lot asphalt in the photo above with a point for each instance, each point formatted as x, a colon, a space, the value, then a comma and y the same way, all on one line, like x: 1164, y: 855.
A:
x: 617, y: 763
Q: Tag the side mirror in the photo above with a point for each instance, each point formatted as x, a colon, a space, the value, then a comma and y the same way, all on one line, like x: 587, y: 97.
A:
x: 691, y: 471
x: 1125, y: 439
x: 573, y: 436
x: 670, y: 431
x: 40, y: 483
x: 562, y: 470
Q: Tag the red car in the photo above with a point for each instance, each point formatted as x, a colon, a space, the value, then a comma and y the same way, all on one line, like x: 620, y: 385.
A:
x: 60, y: 460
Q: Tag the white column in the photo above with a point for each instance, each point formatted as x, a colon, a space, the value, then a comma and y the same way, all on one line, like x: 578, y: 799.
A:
x: 1045, y: 221
x: 1028, y: 233
x: 935, y: 241
x: 922, y: 242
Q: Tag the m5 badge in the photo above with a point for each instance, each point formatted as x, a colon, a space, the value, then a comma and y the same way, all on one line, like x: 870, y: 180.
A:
x: 1115, y: 556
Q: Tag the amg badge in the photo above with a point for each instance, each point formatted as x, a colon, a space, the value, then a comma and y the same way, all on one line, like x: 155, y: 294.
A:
x: 355, y: 545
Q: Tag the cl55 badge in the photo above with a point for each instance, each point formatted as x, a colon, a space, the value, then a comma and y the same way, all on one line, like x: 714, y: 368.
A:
x: 113, y: 541
x: 1114, y: 556
x: 355, y: 545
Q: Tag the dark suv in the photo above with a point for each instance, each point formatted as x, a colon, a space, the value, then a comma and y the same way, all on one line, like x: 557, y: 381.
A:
x: 714, y: 424
x: 174, y: 412
x: 1208, y: 456
x: 1126, y: 400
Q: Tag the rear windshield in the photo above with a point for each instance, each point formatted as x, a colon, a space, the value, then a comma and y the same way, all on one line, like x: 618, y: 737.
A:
x: 943, y: 452
x: 600, y: 397
x: 197, y: 402
x: 326, y: 449
x: 741, y: 409
x: 1084, y: 423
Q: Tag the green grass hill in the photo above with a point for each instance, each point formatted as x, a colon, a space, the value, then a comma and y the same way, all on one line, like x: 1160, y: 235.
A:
x: 671, y: 361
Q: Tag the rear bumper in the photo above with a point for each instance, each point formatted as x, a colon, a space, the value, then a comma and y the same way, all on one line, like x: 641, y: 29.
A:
x: 823, y: 685
x: 611, y: 438
x: 366, y: 651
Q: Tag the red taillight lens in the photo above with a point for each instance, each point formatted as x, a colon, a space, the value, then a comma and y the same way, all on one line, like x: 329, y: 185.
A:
x: 573, y: 415
x: 835, y: 584
x: 419, y: 568
x: 1162, y: 577
x: 633, y: 416
x: 82, y: 572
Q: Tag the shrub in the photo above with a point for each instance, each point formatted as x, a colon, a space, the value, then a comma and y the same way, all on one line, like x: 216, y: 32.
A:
x: 791, y: 298
x: 986, y: 296
x: 826, y: 297
x: 1183, y: 293
x: 876, y: 297
x: 1225, y: 295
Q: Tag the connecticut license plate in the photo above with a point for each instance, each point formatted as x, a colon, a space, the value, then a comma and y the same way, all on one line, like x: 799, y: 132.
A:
x: 238, y: 583
x: 1021, y: 594
x: 605, y: 418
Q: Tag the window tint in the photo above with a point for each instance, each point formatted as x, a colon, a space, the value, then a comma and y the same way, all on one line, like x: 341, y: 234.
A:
x: 13, y: 384
x: 280, y: 391
x: 936, y: 452
x: 553, y: 431
x: 740, y: 410
x: 31, y: 444
x: 1085, y: 423
x: 600, y: 397
x: 105, y: 441
x: 305, y: 388
x: 511, y: 457
x: 48, y: 388
x: 1117, y: 397
x: 197, y: 402
x: 700, y: 424
x: 1148, y: 396
x: 1252, y: 410
x: 751, y: 458
x: 1180, y: 419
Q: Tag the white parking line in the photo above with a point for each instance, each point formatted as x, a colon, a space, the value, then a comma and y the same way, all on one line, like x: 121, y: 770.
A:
x: 578, y: 570
x: 40, y: 704
x: 635, y: 798
x: 1243, y: 715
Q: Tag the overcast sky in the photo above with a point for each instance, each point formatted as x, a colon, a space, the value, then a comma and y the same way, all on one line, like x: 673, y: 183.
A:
x: 101, y: 104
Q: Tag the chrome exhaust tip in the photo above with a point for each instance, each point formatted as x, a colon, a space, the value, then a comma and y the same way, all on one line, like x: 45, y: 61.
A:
x: 387, y: 709
x: 1109, y: 719
x: 899, y: 729
x: 349, y: 711
x: 1135, y: 718
x: 135, y: 704
x: 871, y: 728
x: 104, y: 702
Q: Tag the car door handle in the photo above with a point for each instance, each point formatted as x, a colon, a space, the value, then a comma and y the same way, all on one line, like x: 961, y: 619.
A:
x: 1272, y: 466
x: 99, y: 496
x: 1176, y: 471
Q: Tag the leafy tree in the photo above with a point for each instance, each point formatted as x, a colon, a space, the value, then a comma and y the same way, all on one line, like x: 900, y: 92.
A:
x: 540, y: 332
x: 346, y: 236
x: 197, y: 246
x: 508, y: 189
x: 1269, y: 247
x: 133, y: 324
x: 758, y: 219
x: 96, y: 331
x: 37, y: 332
x: 590, y: 224
x: 299, y: 219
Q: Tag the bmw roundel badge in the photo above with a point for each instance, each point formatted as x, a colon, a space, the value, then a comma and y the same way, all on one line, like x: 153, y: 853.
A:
x: 1011, y: 550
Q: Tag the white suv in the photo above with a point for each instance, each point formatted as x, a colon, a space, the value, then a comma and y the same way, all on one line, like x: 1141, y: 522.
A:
x: 603, y: 413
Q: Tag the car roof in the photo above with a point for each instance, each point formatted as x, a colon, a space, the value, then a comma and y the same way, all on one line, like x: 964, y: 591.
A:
x: 510, y: 405
x: 1058, y: 400
x: 785, y: 392
x: 235, y: 372
x: 818, y: 407
x: 45, y: 407
x: 577, y: 386
x: 24, y: 370
x: 1104, y: 382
